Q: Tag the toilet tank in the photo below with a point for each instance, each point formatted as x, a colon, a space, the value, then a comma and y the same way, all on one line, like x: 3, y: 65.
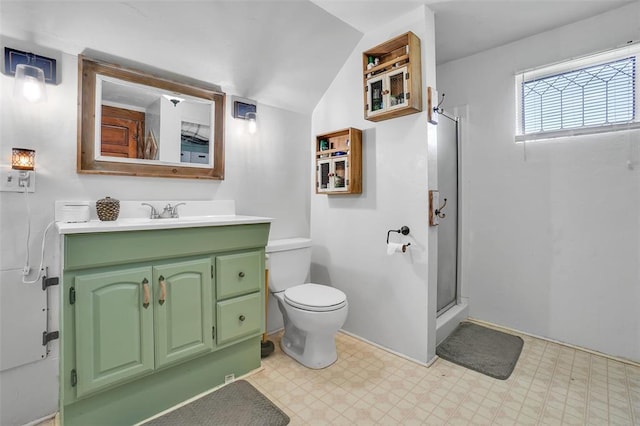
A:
x: 289, y: 262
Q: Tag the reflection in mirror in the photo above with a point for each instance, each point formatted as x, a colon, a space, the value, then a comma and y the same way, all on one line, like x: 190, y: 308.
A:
x: 146, y: 123
x: 134, y: 123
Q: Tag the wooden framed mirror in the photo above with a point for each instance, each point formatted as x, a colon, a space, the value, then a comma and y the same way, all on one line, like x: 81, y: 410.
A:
x: 137, y: 124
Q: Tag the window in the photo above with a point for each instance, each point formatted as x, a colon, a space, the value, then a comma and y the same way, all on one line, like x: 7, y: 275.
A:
x: 592, y: 95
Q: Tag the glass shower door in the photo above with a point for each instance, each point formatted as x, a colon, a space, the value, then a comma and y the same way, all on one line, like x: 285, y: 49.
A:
x: 448, y: 228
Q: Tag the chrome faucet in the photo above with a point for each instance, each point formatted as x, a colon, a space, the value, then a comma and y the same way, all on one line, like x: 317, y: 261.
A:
x: 154, y: 213
x: 167, y: 212
x: 174, y: 211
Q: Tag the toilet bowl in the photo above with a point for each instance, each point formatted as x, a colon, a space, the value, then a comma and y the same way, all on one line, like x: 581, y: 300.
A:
x: 312, y: 313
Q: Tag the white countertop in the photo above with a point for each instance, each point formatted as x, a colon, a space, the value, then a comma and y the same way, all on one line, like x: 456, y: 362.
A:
x: 132, y: 217
x: 143, y: 224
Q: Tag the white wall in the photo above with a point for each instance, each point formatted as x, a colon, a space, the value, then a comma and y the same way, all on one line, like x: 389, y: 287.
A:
x: 554, y: 234
x: 388, y: 296
x: 267, y: 174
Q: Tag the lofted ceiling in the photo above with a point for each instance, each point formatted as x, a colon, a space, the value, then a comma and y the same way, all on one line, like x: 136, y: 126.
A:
x: 465, y: 27
x: 283, y: 53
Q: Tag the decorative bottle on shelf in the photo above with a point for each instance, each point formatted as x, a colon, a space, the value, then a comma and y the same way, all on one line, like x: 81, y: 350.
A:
x: 370, y: 65
x: 324, y: 145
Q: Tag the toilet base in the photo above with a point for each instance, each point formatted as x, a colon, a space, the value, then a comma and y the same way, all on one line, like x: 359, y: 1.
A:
x: 317, y: 352
x: 310, y: 336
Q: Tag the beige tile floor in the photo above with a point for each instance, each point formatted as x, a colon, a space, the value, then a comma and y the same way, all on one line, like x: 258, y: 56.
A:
x: 551, y: 385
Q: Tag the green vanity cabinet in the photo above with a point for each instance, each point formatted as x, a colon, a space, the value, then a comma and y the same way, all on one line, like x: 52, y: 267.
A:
x: 184, y: 321
x: 131, y: 321
x: 152, y: 318
x: 238, y: 274
x: 239, y: 280
x: 114, y: 338
x: 239, y: 317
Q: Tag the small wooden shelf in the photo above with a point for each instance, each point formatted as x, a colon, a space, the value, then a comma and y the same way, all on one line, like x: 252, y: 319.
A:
x: 339, y: 162
x: 386, y: 66
x: 393, y: 88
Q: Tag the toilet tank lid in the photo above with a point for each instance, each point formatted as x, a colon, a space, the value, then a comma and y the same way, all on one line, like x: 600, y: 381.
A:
x: 287, y: 244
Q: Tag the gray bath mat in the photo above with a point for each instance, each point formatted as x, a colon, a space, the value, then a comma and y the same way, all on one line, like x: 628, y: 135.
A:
x: 238, y: 403
x: 482, y: 349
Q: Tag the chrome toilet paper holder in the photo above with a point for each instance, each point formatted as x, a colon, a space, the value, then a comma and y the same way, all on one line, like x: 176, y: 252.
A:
x: 403, y: 230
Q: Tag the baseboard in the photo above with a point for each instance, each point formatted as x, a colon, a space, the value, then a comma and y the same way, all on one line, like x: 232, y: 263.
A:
x: 369, y: 342
x: 200, y: 395
x: 53, y: 417
x: 579, y: 348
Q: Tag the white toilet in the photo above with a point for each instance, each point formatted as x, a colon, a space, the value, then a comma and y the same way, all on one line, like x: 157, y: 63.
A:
x: 312, y: 313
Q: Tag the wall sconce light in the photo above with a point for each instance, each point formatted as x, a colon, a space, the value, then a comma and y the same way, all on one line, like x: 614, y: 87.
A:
x: 23, y: 159
x: 252, y: 118
x: 30, y: 83
x: 31, y: 72
x: 247, y: 110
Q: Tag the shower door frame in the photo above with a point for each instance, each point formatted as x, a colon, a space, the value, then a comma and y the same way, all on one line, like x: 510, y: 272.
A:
x: 458, y: 269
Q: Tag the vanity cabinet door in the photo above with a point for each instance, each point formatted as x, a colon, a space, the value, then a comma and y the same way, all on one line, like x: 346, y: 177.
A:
x: 238, y: 274
x: 114, y: 330
x: 183, y: 310
x: 239, y: 317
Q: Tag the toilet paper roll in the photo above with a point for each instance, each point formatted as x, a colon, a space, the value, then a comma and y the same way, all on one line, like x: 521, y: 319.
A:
x: 395, y: 248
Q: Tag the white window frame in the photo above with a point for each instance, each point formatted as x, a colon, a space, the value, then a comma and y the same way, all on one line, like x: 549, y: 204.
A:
x: 571, y: 65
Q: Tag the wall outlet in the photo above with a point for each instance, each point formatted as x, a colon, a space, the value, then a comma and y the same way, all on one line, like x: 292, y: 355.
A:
x: 17, y: 180
x: 229, y: 378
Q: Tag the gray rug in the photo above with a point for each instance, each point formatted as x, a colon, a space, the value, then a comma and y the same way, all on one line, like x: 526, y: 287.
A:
x: 482, y: 349
x: 237, y: 403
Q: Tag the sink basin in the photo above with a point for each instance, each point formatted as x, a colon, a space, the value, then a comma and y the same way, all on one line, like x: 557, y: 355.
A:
x: 142, y: 220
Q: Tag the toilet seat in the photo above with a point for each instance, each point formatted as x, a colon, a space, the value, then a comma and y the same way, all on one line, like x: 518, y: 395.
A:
x: 315, y: 297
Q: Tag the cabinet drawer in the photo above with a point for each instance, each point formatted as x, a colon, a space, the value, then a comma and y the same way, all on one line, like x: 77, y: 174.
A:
x: 239, y: 317
x: 238, y: 274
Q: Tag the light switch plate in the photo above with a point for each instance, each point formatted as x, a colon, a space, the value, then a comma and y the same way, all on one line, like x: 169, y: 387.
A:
x: 16, y: 180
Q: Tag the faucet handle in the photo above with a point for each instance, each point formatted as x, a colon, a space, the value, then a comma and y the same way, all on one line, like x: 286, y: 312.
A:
x: 174, y: 211
x: 154, y: 213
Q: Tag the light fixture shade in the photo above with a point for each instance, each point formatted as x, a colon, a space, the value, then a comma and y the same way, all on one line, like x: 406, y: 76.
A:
x: 252, y: 119
x: 23, y: 159
x: 30, y: 83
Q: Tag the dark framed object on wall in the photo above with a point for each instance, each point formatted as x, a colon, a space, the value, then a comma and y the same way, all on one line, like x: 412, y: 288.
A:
x: 14, y: 57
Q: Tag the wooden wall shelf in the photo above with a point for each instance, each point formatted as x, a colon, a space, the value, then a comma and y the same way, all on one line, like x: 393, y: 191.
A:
x: 393, y: 87
x: 338, y: 157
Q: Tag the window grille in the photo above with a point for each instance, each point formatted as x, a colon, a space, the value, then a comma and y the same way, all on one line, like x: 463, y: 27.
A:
x: 594, y: 98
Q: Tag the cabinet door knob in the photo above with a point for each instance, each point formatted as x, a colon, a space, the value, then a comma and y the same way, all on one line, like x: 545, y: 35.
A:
x: 163, y: 290
x: 145, y: 289
x: 241, y: 274
x: 241, y: 318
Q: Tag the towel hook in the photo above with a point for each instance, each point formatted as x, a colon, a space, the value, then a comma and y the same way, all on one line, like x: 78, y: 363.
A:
x: 438, y: 211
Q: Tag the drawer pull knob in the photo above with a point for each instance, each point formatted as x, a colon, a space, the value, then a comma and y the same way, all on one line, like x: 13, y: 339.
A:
x: 163, y: 290
x: 241, y: 274
x: 145, y: 289
x: 241, y: 318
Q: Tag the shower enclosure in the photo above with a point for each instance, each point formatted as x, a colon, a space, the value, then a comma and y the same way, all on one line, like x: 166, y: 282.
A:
x: 448, y: 141
x: 452, y: 306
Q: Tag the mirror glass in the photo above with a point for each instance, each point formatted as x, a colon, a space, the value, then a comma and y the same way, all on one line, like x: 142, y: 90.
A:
x: 146, y: 123
x: 137, y: 124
